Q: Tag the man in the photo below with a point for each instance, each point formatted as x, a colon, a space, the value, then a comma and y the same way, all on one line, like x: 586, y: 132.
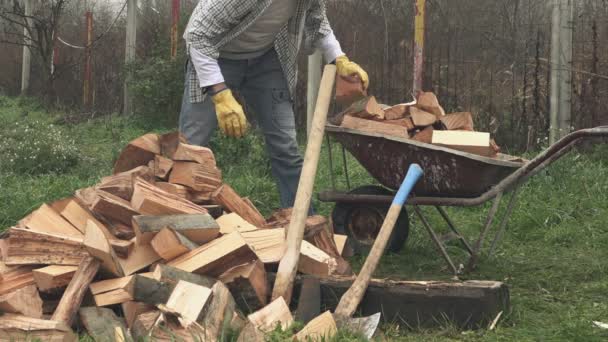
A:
x: 251, y: 46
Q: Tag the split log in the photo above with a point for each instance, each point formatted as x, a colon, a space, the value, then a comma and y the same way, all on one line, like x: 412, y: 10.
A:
x: 162, y: 167
x: 425, y: 136
x: 200, y: 177
x: 21, y: 328
x: 25, y: 301
x: 132, y: 309
x: 140, y: 257
x: 149, y: 290
x: 78, y: 216
x: 470, y: 142
x: 268, y: 244
x: 188, y: 300
x: 47, y: 220
x: 273, y: 314
x: 99, y: 247
x: 198, y: 228
x: 396, y: 112
x: 151, y: 326
x: 169, y: 142
x: 193, y: 153
x: 367, y: 108
x: 59, y: 204
x: 122, y: 248
x: 406, y: 123
x: 73, y: 295
x: 428, y: 102
x: 459, y: 121
x: 138, y: 152
x: 232, y: 222
x: 321, y: 328
x: 121, y: 184
x: 216, y: 256
x: 169, y: 244
x: 53, y: 277
x: 151, y: 200
x: 340, y: 241
x: 3, y: 250
x: 313, y: 261
x: 26, y: 247
x: 251, y: 334
x: 349, y: 90
x: 421, y: 118
x: 229, y: 199
x: 112, y: 207
x: 13, y: 278
x: 200, y: 197
x: 247, y: 279
x: 172, y: 275
x: 374, y: 127
x: 112, y: 291
x: 101, y: 323
x: 175, y: 189
x: 279, y: 218
x: 222, y: 315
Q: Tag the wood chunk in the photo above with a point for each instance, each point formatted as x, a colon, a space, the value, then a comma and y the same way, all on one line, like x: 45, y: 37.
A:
x: 470, y: 142
x: 309, y: 302
x: 321, y: 328
x: 459, y: 121
x: 132, y: 309
x: 349, y: 90
x: 162, y: 167
x: 340, y: 241
x: 86, y: 196
x: 47, y: 220
x: 26, y: 247
x: 273, y: 314
x: 367, y: 108
x: 99, y: 247
x: 100, y: 323
x: 21, y: 328
x: 406, y: 123
x: 170, y: 244
x: 53, y: 277
x: 234, y: 223
x: 192, y: 153
x: 149, y: 290
x: 222, y: 315
x: 200, y: 197
x: 247, y: 279
x: 112, y: 207
x: 279, y: 218
x: 60, y: 204
x: 13, y: 278
x: 151, y: 200
x: 396, y: 112
x: 229, y: 199
x: 25, y: 301
x: 216, y: 256
x: 428, y: 102
x: 376, y: 127
x: 424, y: 136
x: 141, y: 256
x: 253, y: 207
x: 111, y: 291
x: 420, y: 118
x: 200, y: 177
x: 175, y: 189
x: 268, y: 244
x: 169, y: 142
x: 78, y: 216
x: 3, y: 250
x: 188, y: 300
x: 172, y: 275
x: 198, y: 228
x: 122, y: 248
x: 73, y: 295
x: 314, y: 261
x: 319, y: 234
x: 151, y: 326
x: 138, y: 152
x: 121, y: 184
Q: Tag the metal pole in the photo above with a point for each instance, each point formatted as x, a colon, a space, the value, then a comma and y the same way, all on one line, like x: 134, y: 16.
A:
x: 315, y: 62
x: 131, y: 42
x: 174, y: 27
x: 565, y: 98
x: 86, y: 93
x: 27, y: 53
x: 555, y: 72
x: 420, y: 11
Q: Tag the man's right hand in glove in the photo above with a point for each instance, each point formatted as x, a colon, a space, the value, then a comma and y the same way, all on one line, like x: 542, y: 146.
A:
x: 230, y: 115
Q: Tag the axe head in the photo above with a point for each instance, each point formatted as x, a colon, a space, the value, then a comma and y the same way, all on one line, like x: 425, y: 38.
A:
x: 365, y: 326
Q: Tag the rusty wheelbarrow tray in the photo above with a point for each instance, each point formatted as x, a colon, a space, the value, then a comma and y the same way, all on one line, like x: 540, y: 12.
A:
x: 452, y: 178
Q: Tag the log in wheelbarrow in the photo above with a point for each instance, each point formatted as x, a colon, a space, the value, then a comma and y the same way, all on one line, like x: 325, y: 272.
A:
x: 451, y: 179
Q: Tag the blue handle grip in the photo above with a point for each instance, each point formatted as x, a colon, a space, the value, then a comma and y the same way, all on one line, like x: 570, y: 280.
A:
x: 413, y: 175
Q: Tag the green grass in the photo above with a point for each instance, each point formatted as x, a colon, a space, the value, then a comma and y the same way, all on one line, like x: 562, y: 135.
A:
x: 554, y: 256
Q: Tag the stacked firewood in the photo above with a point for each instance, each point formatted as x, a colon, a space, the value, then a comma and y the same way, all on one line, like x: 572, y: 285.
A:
x: 162, y: 248
x: 423, y: 120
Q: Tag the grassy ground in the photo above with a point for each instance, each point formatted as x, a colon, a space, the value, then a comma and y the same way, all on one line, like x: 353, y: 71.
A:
x: 553, y: 257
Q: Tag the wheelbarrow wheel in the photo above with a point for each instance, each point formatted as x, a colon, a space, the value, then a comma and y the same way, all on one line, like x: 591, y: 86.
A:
x: 361, y: 222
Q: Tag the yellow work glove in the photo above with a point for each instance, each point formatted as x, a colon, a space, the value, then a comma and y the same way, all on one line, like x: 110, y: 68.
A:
x: 230, y: 115
x: 347, y: 68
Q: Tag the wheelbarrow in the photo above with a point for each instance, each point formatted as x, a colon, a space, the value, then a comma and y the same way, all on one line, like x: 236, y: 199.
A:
x: 452, y: 178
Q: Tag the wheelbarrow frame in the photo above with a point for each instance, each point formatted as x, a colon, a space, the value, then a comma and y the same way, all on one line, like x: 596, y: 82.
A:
x: 510, y: 184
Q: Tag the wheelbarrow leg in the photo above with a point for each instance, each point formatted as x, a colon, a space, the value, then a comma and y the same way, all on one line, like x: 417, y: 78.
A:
x: 503, y: 223
x: 447, y: 219
x: 478, y: 245
x: 436, y: 240
x: 331, y: 163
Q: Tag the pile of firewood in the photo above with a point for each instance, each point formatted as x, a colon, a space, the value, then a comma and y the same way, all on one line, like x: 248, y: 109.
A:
x: 162, y: 249
x: 423, y: 120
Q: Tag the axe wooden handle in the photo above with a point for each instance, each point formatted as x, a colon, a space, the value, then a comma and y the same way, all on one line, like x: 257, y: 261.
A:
x: 351, y: 299
x: 288, y: 266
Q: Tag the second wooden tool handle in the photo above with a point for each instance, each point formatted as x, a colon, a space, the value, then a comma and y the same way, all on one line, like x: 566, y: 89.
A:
x: 351, y: 299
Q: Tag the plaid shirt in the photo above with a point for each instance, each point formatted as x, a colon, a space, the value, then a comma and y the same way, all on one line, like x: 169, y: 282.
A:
x: 214, y: 23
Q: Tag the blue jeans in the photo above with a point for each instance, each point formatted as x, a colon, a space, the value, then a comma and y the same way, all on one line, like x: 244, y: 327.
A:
x: 263, y: 86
